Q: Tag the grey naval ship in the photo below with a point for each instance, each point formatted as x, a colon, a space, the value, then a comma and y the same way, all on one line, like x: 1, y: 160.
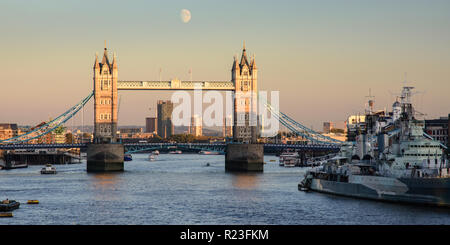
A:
x: 391, y: 159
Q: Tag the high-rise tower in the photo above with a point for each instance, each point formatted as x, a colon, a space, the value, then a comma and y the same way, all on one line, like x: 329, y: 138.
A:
x: 196, y: 127
x: 244, y: 75
x: 105, y: 99
x: 165, y: 125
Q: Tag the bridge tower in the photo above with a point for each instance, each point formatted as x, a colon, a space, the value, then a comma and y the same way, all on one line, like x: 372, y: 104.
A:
x: 244, y: 154
x: 244, y: 76
x: 105, y: 99
x: 105, y: 153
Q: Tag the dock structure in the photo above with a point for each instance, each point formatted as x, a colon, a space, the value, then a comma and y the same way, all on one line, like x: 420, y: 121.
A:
x: 21, y: 159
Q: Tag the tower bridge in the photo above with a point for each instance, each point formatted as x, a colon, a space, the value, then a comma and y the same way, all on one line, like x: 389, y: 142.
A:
x: 244, y: 79
x: 106, y: 152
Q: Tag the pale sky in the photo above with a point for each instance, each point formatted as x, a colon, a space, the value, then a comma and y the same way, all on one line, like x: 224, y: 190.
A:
x: 323, y: 56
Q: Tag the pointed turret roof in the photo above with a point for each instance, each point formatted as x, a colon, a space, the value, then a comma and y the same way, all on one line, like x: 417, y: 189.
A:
x: 114, y: 63
x: 253, y: 63
x: 105, y: 58
x: 244, y: 60
x: 96, y: 64
x: 235, y: 64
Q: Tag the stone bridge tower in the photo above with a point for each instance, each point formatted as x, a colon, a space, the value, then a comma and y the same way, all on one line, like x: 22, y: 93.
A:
x: 105, y: 154
x: 105, y: 99
x: 244, y: 75
x: 243, y: 154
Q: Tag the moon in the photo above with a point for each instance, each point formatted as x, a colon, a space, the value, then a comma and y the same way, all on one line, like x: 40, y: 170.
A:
x: 185, y: 15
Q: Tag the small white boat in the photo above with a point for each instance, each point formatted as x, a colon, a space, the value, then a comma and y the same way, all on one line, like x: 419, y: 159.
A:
x: 48, y: 169
x: 287, y: 155
x: 151, y: 157
x: 289, y: 162
x: 128, y: 157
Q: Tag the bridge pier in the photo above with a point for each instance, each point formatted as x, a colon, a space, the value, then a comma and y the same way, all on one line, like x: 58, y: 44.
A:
x: 105, y: 157
x: 244, y: 157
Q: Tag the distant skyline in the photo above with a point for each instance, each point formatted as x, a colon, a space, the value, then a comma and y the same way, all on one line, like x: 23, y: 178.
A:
x: 323, y: 56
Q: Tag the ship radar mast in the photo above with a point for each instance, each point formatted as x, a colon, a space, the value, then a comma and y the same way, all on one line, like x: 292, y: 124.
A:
x: 406, y: 103
x: 406, y: 95
x: 370, y: 102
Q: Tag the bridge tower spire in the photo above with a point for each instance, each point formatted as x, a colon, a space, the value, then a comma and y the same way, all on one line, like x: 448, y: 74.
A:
x: 105, y: 99
x: 245, y: 79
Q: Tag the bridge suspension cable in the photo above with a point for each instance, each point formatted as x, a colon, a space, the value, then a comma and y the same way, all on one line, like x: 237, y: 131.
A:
x: 299, y: 129
x: 49, y: 126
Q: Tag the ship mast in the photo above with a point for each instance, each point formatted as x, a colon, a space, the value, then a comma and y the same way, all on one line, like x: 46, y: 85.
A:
x: 370, y: 103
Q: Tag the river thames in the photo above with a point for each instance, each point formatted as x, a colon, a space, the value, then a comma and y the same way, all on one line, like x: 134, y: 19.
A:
x: 182, y: 189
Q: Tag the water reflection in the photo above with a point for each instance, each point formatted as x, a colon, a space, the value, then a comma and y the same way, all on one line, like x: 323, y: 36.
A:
x: 104, y: 185
x: 104, y: 180
x: 245, y: 181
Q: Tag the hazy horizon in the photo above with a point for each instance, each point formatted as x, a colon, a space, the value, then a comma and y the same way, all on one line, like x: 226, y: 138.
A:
x: 322, y: 57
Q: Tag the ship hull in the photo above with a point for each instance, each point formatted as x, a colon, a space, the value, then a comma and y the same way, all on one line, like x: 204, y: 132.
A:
x: 430, y: 191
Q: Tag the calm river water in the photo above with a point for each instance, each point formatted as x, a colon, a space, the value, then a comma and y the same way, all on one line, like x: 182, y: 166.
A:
x: 181, y: 189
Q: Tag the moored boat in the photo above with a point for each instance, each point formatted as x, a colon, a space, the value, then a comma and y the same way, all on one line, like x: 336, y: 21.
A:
x: 8, y: 205
x: 48, y: 169
x: 151, y: 157
x: 15, y: 164
x: 289, y: 158
x: 391, y: 160
x: 6, y: 215
x: 32, y: 202
x: 288, y: 154
x: 290, y: 162
x: 127, y: 157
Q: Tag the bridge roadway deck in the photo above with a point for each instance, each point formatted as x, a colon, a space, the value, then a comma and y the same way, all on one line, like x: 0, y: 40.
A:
x: 267, y: 147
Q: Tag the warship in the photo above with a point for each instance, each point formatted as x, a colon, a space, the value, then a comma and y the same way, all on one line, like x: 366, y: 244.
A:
x: 391, y: 159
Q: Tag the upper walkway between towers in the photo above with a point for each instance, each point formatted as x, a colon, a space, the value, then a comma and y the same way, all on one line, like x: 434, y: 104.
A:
x: 175, y: 84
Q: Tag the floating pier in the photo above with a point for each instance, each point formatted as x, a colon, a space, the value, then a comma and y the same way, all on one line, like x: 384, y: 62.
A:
x: 23, y: 158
